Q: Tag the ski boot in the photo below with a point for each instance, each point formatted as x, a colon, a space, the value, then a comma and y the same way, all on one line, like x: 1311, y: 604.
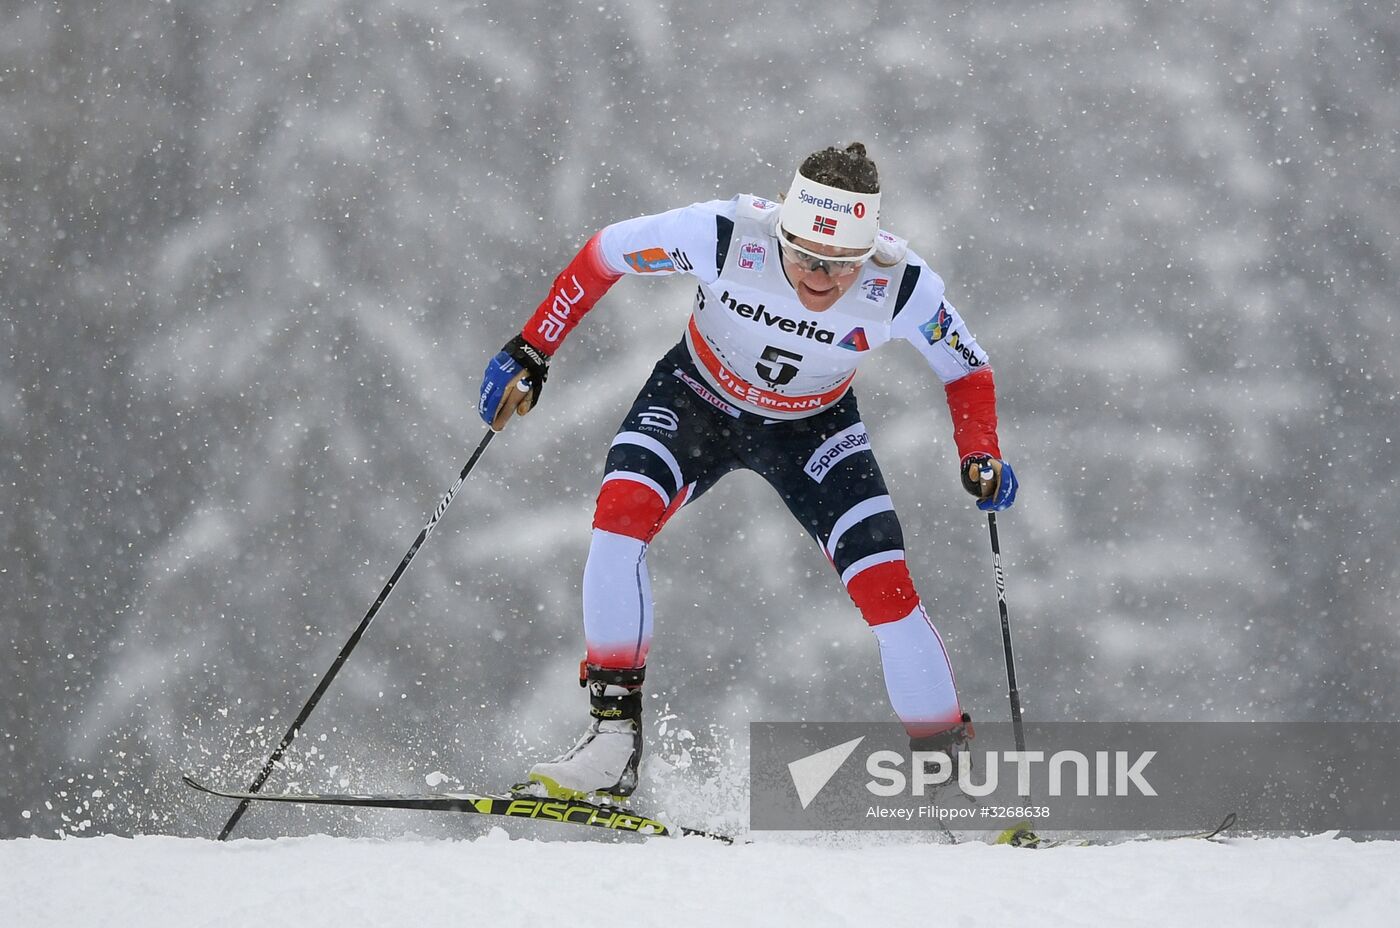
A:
x: 603, y: 765
x: 953, y: 742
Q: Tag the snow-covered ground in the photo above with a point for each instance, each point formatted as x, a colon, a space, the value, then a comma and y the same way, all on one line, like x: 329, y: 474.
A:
x: 496, y: 881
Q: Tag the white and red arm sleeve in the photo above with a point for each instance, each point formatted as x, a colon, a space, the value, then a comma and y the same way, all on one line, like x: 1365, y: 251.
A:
x: 972, y: 401
x: 681, y: 241
x: 577, y: 288
x: 933, y: 326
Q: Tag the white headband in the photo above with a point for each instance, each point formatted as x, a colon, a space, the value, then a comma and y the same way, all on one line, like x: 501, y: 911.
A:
x: 830, y: 215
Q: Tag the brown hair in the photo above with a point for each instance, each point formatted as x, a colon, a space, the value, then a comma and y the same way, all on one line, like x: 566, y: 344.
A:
x: 848, y: 168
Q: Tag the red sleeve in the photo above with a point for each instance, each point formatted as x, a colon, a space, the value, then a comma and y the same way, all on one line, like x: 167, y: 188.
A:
x: 972, y: 400
x: 575, y: 290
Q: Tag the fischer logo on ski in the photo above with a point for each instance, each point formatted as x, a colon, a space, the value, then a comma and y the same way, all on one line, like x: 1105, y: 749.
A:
x: 564, y: 811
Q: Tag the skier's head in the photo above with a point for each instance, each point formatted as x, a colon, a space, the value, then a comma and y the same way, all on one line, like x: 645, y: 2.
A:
x: 835, y: 200
x: 828, y: 224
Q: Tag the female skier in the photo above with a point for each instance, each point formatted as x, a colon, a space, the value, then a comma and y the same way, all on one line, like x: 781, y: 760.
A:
x: 791, y: 296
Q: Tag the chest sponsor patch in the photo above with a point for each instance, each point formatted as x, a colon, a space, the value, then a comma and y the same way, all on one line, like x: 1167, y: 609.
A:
x: 832, y: 451
x: 875, y: 289
x: 753, y: 254
x: 760, y: 314
x: 855, y: 340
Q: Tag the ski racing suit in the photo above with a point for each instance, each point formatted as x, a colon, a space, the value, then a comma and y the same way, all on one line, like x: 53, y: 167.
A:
x: 760, y: 382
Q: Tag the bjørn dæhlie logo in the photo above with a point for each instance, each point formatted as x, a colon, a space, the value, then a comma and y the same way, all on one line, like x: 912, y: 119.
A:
x: 658, y: 418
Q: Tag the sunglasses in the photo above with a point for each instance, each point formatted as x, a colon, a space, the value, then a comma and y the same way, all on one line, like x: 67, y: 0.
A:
x: 811, y: 261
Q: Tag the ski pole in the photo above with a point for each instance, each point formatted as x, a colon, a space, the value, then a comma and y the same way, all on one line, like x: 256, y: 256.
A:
x: 1006, y: 635
x: 354, y: 638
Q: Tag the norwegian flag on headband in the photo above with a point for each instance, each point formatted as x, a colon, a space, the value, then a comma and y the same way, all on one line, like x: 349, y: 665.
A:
x: 825, y: 225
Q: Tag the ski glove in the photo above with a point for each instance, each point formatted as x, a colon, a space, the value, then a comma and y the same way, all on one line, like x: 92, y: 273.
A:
x: 991, y: 480
x: 512, y: 382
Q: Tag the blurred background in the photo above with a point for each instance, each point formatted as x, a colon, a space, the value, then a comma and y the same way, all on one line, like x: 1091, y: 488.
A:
x: 254, y: 257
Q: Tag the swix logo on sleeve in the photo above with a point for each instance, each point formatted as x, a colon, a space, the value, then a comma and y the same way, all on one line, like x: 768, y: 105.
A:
x: 553, y: 325
x: 824, y: 225
x: 855, y: 439
x: 759, y: 313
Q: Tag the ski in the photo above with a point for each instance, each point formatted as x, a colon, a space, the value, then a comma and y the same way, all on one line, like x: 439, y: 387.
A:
x: 1021, y: 835
x: 563, y: 811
